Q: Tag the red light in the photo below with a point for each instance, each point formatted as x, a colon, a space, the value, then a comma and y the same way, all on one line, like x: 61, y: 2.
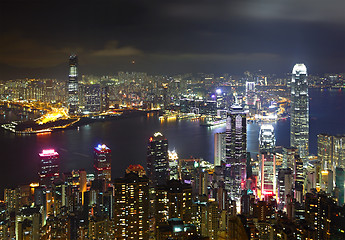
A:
x: 267, y: 192
x: 243, y: 184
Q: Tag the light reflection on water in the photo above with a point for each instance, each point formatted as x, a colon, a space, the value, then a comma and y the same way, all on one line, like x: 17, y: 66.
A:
x: 128, y: 140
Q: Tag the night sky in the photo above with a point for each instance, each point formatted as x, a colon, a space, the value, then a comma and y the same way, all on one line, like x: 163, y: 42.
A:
x: 170, y: 36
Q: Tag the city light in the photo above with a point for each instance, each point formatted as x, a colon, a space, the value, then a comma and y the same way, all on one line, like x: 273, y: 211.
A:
x: 172, y: 155
x: 229, y: 179
x: 53, y: 115
x: 48, y: 152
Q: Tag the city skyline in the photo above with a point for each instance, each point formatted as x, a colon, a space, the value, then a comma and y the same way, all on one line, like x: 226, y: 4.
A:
x: 172, y: 119
x: 170, y: 37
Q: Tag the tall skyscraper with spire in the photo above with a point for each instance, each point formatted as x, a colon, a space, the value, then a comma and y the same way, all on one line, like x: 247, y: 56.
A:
x: 299, y: 123
x: 236, y: 148
x: 73, y: 99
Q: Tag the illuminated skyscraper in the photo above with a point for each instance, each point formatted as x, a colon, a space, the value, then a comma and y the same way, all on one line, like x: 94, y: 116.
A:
x: 325, y: 151
x: 49, y: 170
x: 236, y: 147
x: 157, y: 159
x: 219, y: 99
x: 267, y: 141
x: 299, y: 123
x: 131, y: 206
x: 250, y: 93
x: 102, y: 162
x: 285, y: 184
x: 289, y: 157
x: 339, y: 151
x: 219, y: 148
x: 92, y: 98
x: 339, y: 181
x: 173, y: 200
x: 173, y: 165
x: 268, y: 173
x: 73, y: 99
x: 236, y: 134
x: 331, y: 151
x: 267, y: 160
x: 298, y: 179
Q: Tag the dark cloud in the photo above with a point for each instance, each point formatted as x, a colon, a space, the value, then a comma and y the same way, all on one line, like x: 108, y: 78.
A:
x: 112, y: 49
x: 172, y: 36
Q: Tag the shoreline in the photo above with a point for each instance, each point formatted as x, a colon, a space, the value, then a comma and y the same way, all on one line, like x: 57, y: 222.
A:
x: 71, y: 123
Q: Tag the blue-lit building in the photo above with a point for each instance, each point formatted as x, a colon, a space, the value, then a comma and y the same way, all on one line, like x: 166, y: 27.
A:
x: 102, y: 162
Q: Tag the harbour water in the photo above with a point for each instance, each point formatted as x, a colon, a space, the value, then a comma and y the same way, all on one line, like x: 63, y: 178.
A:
x: 128, y: 138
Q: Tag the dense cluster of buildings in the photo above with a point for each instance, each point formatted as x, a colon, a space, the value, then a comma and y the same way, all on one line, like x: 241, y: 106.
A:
x: 282, y: 193
x: 88, y: 94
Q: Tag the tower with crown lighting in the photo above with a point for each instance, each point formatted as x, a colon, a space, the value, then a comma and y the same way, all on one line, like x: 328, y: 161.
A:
x: 102, y: 162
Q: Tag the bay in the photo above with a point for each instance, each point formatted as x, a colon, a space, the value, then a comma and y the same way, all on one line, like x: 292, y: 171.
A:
x: 128, y: 138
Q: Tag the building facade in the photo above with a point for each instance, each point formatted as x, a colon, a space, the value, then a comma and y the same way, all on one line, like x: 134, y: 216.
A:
x: 73, y: 98
x: 49, y: 170
x: 157, y: 159
x: 267, y: 141
x: 131, y: 207
x: 102, y: 162
x: 236, y: 147
x: 219, y: 148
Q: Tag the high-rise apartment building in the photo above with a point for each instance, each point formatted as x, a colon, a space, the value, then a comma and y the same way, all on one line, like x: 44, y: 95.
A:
x: 102, y: 162
x: 131, y: 207
x: 173, y: 200
x: 157, y: 159
x: 104, y: 98
x: 73, y: 98
x: 236, y: 153
x: 49, y: 170
x: 299, y: 123
x: 92, y: 98
x: 318, y: 214
x: 210, y: 220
